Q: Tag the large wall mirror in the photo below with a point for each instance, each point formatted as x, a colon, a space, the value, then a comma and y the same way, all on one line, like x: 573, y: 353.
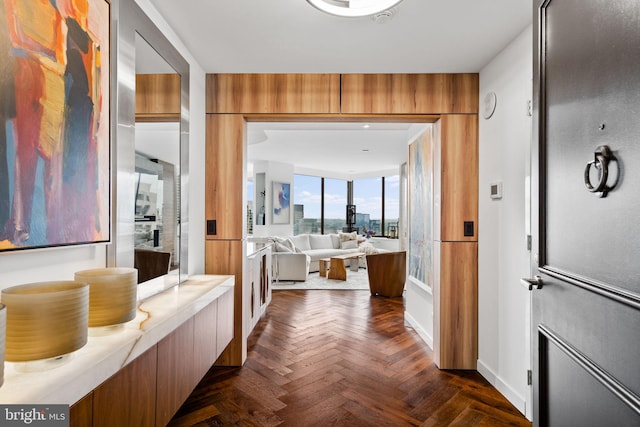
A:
x: 150, y: 157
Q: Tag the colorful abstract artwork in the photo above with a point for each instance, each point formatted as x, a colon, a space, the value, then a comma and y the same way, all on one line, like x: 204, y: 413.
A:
x: 54, y: 123
x: 281, y: 203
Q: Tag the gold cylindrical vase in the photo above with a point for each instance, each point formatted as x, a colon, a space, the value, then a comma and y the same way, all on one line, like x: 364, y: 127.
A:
x: 113, y: 293
x: 45, y: 319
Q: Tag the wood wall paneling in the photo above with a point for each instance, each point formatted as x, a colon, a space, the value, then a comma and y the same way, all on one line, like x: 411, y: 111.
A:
x: 205, y: 350
x: 158, y: 97
x: 409, y: 93
x: 81, y: 412
x: 225, y: 171
x: 129, y: 397
x: 176, y: 374
x: 226, y: 257
x: 459, y: 176
x: 234, y: 98
x: 273, y: 93
x: 456, y: 306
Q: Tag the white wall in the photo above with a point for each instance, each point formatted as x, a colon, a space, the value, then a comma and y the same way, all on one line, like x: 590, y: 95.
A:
x: 503, y: 353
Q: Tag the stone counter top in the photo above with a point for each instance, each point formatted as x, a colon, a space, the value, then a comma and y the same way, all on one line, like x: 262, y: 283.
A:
x: 67, y: 380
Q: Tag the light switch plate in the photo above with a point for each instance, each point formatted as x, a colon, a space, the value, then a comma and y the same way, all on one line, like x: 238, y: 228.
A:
x: 496, y: 190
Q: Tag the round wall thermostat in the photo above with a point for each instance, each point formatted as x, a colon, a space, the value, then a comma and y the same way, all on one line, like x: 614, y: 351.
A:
x: 489, y: 104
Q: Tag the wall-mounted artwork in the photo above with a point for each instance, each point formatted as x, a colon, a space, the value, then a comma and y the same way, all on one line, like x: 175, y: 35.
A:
x: 54, y: 123
x: 281, y: 203
x: 420, y: 211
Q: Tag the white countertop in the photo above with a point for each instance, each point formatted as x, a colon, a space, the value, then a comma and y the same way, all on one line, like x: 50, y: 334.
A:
x: 254, y: 247
x: 103, y: 356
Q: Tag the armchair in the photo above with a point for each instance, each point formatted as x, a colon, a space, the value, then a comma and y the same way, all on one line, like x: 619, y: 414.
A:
x: 290, y: 266
x: 387, y: 273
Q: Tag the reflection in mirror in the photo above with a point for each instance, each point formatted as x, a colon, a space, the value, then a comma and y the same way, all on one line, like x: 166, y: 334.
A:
x: 157, y: 165
x: 142, y: 48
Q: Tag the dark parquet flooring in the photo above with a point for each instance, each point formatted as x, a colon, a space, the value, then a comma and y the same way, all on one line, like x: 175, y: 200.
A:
x: 341, y: 358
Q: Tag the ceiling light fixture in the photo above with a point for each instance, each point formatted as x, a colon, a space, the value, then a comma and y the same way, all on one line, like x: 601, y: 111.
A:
x: 353, y: 8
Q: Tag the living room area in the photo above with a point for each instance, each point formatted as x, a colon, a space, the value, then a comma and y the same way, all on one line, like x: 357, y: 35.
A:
x: 320, y: 190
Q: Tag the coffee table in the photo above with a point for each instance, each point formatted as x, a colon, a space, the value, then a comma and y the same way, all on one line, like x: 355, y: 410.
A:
x: 336, y: 265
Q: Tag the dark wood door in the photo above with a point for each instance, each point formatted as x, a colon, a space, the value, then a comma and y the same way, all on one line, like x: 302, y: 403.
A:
x: 586, y: 316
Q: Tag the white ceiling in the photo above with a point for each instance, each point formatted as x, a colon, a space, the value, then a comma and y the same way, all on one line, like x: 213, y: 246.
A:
x: 333, y: 150
x: 290, y: 36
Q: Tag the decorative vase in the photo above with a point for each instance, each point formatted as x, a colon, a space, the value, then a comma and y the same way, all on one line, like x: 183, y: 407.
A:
x: 113, y: 293
x: 45, y: 319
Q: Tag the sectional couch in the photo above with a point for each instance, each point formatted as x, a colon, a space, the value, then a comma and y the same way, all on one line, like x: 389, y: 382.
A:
x: 294, y: 257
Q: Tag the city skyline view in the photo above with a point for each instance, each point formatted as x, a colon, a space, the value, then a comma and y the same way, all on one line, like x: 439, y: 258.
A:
x: 307, y: 197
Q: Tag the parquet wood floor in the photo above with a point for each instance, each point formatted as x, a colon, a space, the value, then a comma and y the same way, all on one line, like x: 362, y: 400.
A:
x: 341, y: 358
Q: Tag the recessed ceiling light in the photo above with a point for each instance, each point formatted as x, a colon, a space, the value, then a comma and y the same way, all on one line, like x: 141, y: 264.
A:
x: 366, y: 126
x: 353, y: 8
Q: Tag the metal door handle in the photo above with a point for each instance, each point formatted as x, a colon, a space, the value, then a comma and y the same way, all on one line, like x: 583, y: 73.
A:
x: 531, y: 284
x: 601, y: 158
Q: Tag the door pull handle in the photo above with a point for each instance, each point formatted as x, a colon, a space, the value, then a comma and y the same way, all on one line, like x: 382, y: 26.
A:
x: 531, y: 284
x: 601, y: 159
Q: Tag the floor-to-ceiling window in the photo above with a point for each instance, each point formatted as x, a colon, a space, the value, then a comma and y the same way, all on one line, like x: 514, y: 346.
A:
x: 391, y: 206
x: 335, y: 205
x: 320, y: 205
x: 367, y: 196
x: 307, y: 199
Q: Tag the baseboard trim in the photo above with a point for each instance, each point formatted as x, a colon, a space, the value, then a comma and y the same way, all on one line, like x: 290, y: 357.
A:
x: 421, y: 332
x: 512, y: 396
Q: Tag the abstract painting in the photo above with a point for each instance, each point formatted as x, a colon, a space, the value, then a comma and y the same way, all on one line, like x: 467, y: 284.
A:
x: 281, y: 202
x: 54, y: 123
x: 420, y: 212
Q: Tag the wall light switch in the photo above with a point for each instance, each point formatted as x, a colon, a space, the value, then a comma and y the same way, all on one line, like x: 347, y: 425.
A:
x: 496, y: 190
x: 211, y: 227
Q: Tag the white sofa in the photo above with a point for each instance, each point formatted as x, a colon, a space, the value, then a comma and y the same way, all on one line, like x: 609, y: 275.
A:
x: 294, y: 257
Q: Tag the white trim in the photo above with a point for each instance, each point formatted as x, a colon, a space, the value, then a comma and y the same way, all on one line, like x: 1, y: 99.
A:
x: 506, y: 390
x: 421, y: 332
x: 420, y: 285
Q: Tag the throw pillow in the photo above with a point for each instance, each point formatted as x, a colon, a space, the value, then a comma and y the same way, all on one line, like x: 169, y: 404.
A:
x: 349, y: 244
x: 282, y: 248
x: 348, y: 236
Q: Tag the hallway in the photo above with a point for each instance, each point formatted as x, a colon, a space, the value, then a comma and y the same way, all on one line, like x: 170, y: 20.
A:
x: 341, y: 358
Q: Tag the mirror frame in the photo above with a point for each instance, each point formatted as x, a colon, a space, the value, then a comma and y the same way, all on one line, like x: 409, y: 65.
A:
x: 128, y: 20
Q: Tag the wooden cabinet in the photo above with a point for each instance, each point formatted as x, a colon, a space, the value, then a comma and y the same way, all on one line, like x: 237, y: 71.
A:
x: 273, y: 93
x: 455, y: 305
x: 226, y: 257
x: 149, y: 390
x: 455, y: 156
x: 129, y: 397
x: 81, y: 412
x: 205, y: 331
x: 409, y: 93
x: 176, y: 374
x: 225, y: 164
x: 455, y: 247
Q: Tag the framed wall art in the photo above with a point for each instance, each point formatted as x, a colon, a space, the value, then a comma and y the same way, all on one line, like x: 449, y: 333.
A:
x: 281, y: 203
x: 54, y: 123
